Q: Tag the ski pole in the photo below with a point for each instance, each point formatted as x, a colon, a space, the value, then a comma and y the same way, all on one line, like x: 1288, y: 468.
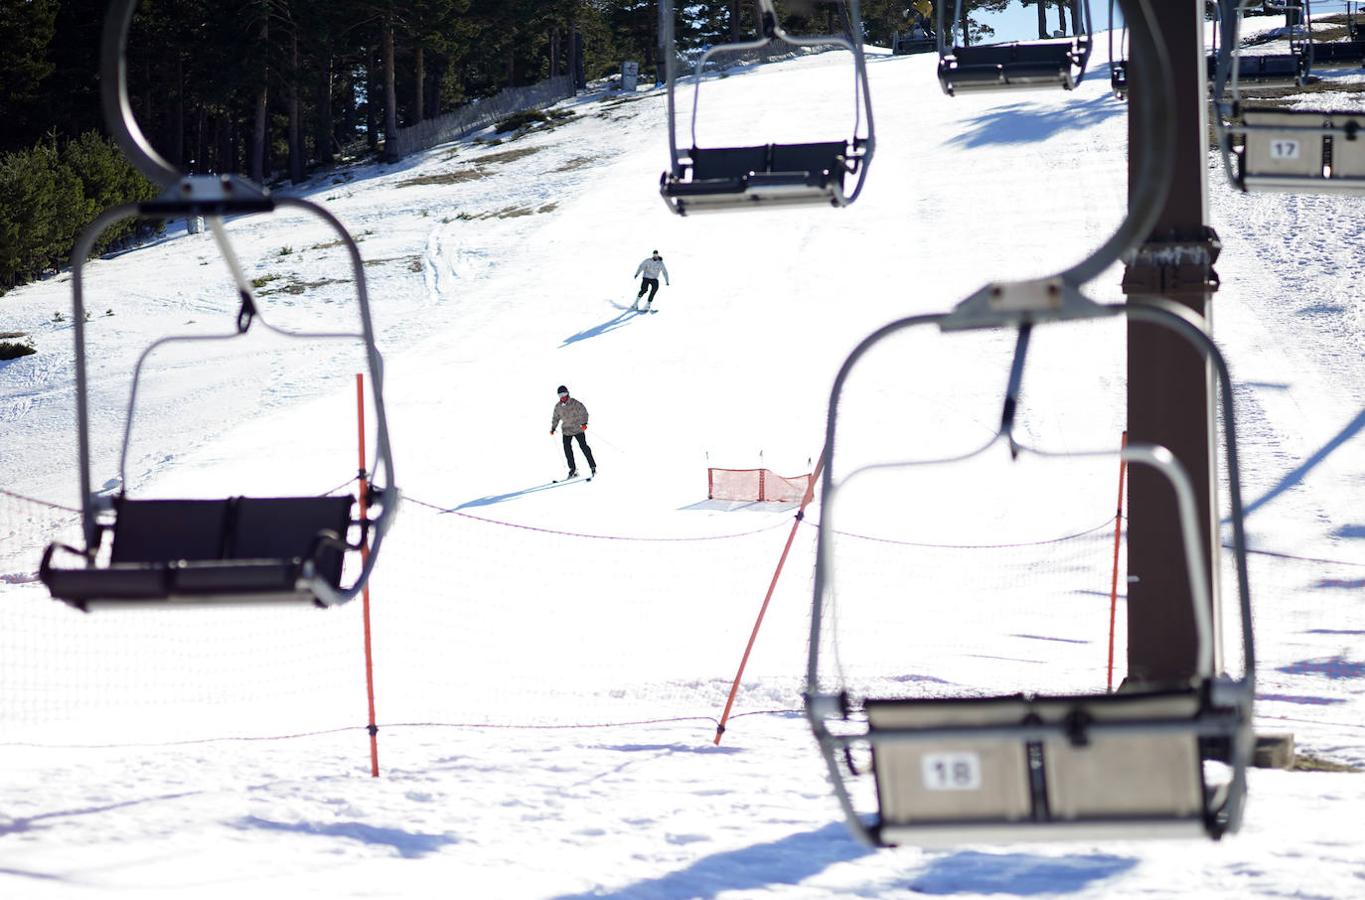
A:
x: 597, y: 436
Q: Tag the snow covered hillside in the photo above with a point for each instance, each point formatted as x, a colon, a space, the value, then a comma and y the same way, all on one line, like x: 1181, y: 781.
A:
x: 550, y: 659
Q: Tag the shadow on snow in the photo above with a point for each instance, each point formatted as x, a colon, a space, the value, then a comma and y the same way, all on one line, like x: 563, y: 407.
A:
x: 1297, y: 475
x: 510, y: 495
x: 1027, y: 123
x: 620, y: 320
x: 409, y: 844
x: 788, y: 860
x: 1017, y: 874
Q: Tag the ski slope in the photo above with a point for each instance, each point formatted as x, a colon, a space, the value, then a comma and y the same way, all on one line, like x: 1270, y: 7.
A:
x: 547, y: 658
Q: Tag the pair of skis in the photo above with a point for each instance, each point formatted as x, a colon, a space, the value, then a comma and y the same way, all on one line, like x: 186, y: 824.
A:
x: 569, y: 478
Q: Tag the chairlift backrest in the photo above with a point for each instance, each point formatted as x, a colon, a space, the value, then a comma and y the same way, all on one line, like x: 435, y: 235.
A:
x: 775, y: 174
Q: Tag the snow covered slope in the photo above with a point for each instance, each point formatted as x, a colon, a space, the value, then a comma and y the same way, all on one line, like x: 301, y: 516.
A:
x: 509, y: 619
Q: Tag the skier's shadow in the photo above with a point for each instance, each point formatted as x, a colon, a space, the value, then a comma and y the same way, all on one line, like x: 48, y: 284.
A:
x: 618, y: 321
x: 510, y: 495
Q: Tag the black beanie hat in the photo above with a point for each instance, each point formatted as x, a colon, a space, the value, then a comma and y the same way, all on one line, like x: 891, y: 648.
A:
x: 561, y: 390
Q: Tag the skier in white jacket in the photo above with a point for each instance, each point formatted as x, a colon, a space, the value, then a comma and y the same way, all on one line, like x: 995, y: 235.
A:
x: 651, y: 267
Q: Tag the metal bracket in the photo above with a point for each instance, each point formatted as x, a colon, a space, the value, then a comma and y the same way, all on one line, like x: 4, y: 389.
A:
x: 1013, y: 303
x: 208, y: 195
x: 1174, y: 266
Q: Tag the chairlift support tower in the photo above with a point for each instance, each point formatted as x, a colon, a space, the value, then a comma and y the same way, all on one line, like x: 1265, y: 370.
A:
x: 1170, y: 386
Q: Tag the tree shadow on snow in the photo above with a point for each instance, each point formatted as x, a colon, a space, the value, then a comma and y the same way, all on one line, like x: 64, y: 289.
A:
x: 785, y: 861
x: 409, y: 844
x: 1017, y: 874
x: 620, y: 320
x: 1027, y: 123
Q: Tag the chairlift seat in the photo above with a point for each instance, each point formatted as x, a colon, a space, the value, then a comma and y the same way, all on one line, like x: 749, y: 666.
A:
x: 239, y: 550
x: 1339, y: 54
x: 1271, y: 69
x: 1037, y: 768
x: 1005, y: 66
x: 1118, y: 79
x: 776, y: 174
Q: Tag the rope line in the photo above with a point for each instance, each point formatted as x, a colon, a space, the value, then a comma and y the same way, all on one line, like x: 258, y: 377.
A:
x: 575, y: 726
x: 38, y: 502
x: 595, y: 537
x: 880, y: 540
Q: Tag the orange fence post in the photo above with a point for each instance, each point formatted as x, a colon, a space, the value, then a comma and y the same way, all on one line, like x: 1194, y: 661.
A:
x: 1114, y: 580
x: 364, y: 490
x: 772, y: 586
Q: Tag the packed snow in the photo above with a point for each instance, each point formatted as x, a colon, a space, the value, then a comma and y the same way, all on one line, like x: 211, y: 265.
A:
x: 550, y: 660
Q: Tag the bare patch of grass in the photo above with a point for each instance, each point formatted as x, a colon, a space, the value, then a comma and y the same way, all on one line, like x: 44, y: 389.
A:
x: 506, y: 156
x: 577, y: 162
x: 298, y: 286
x: 456, y: 177
x: 414, y: 263
x: 1306, y: 762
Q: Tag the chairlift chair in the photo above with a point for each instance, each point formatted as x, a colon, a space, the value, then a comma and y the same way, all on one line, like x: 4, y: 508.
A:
x: 762, y: 176
x: 1289, y: 69
x: 920, y: 38
x: 227, y: 550
x: 1043, y: 63
x: 1279, y: 149
x: 958, y: 768
x: 1344, y: 54
x: 1066, y: 765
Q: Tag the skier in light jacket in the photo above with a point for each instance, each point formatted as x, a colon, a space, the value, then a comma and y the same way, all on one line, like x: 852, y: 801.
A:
x: 573, y: 416
x: 651, y: 266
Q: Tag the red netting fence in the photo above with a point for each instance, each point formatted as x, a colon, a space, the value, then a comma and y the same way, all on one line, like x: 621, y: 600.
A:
x: 761, y: 485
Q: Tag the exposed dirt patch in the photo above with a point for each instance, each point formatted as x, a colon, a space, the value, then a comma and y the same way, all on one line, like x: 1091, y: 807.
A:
x: 506, y: 156
x: 456, y: 177
x: 1305, y: 762
x: 298, y: 286
x: 577, y: 162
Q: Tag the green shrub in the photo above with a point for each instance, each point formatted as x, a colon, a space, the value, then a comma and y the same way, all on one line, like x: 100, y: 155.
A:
x: 49, y: 194
x: 14, y: 350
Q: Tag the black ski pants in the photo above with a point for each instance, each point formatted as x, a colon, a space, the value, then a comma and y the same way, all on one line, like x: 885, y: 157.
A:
x: 652, y: 284
x: 583, y: 444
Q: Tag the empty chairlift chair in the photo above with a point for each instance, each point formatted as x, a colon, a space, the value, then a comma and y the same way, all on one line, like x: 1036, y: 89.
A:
x: 1342, y: 54
x: 1270, y: 70
x: 1281, y: 149
x: 1048, y: 62
x: 307, y: 549
x: 950, y: 765
x: 821, y: 173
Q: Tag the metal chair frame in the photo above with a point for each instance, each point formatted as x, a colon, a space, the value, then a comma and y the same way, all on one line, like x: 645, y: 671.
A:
x: 1014, y: 65
x: 157, y: 575
x: 1222, y: 710
x: 1211, y: 721
x: 719, y: 179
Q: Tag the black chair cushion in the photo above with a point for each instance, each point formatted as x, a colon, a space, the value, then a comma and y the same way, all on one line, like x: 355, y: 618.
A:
x: 164, y: 531
x: 287, y: 528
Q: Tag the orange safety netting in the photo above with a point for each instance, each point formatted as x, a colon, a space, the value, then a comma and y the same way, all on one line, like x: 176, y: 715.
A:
x: 761, y: 485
